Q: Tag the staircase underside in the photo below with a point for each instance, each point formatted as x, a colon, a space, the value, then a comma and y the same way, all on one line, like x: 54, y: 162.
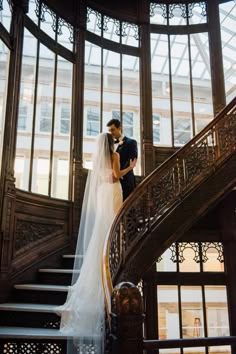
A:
x: 175, y: 222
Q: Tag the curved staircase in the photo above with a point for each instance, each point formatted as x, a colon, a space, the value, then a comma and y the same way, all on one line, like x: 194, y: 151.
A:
x: 162, y: 208
x: 170, y: 200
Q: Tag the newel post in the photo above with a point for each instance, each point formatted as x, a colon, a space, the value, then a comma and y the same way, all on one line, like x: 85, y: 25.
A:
x: 126, y: 320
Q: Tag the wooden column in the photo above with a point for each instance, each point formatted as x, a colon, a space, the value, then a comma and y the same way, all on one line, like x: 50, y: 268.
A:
x: 228, y: 231
x: 216, y: 60
x: 77, y: 117
x: 146, y: 89
x: 9, y: 144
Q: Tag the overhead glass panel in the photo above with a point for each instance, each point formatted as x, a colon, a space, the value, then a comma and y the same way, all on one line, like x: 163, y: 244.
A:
x: 26, y: 108
x: 33, y: 11
x: 4, y: 63
x: 181, y: 91
x: 92, y: 100
x: 62, y: 130
x: 160, y: 90
x: 228, y: 42
x: 131, y: 103
x: 111, y: 29
x: 197, y: 13
x: 5, y: 14
x: 93, y: 21
x: 66, y: 36
x: 130, y: 34
x: 158, y: 14
x: 111, y: 86
x: 43, y: 122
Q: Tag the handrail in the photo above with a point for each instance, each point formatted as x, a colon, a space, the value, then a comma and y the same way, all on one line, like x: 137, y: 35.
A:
x: 164, y: 188
x: 188, y: 342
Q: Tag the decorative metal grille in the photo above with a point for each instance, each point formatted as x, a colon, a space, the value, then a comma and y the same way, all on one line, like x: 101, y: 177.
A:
x: 200, y: 250
x: 33, y: 348
x: 57, y: 22
x: 122, y: 29
x: 180, y: 10
x: 182, y: 246
x: 218, y: 246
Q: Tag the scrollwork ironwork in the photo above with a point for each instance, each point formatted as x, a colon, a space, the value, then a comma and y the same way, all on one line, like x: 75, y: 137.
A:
x: 57, y: 22
x: 218, y: 246
x: 182, y: 246
x: 120, y: 28
x: 179, y: 9
x: 27, y: 232
x: 168, y: 184
x: 201, y: 4
x: 162, y: 7
x: 98, y: 17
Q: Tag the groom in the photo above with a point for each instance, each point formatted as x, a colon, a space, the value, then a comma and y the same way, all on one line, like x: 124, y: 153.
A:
x: 127, y: 149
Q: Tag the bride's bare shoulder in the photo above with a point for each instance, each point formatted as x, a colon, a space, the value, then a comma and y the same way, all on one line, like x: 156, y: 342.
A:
x: 115, y: 155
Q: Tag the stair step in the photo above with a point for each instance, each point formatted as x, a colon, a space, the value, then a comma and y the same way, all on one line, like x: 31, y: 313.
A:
x: 41, y: 287
x: 72, y: 256
x: 21, y: 307
x: 29, y: 315
x: 58, y: 270
x: 56, y: 276
x: 40, y: 293
x: 69, y: 259
x: 31, y: 333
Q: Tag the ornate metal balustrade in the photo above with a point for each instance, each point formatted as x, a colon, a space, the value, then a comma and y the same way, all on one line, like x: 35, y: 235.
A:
x: 164, y: 189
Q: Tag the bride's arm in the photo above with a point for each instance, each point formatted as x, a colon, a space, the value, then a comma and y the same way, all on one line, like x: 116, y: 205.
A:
x: 118, y: 173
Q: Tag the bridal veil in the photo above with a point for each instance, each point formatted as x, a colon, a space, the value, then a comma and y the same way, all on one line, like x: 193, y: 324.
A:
x: 82, y: 315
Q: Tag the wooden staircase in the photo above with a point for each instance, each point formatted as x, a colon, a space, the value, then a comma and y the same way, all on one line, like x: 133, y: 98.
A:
x: 162, y: 208
x: 28, y: 323
x: 170, y: 200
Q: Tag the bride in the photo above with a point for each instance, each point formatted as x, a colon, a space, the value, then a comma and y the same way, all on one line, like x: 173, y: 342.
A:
x: 82, y: 315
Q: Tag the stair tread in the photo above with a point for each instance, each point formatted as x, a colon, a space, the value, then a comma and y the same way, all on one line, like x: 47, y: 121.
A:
x: 72, y: 256
x: 31, y: 333
x: 57, y: 270
x: 41, y: 287
x: 11, y: 306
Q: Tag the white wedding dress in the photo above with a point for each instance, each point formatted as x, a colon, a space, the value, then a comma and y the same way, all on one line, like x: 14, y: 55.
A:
x: 83, y: 314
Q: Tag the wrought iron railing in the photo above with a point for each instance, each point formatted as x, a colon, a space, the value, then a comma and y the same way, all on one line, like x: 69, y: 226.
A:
x: 164, y: 188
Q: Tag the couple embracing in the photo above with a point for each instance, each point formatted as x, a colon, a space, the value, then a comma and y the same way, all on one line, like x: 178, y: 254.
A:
x: 110, y: 181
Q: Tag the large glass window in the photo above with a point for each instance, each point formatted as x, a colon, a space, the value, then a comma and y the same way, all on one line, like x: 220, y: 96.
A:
x: 5, y: 14
x: 228, y: 42
x: 44, y: 115
x: 196, y: 310
x: 181, y: 80
x: 4, y: 61
x: 111, y: 85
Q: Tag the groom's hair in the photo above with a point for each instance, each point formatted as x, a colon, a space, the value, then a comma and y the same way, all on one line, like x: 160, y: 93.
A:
x: 114, y: 121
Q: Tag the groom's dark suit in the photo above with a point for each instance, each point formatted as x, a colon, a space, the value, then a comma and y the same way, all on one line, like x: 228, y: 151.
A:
x: 127, y: 150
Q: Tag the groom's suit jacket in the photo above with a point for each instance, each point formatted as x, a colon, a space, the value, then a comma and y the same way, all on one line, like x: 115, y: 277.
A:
x: 127, y: 150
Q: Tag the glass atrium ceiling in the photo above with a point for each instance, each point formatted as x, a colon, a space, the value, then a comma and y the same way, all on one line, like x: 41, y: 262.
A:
x: 179, y: 45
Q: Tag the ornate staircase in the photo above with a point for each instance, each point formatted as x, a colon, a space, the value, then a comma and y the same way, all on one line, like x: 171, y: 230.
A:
x: 162, y: 208
x: 170, y: 200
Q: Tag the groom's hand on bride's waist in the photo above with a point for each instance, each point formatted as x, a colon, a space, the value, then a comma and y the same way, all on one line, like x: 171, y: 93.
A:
x: 114, y: 179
